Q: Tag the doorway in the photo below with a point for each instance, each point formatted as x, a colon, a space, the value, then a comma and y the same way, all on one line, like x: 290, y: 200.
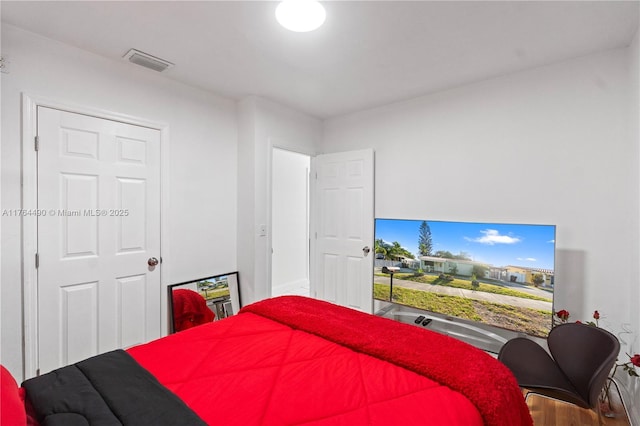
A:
x: 290, y: 223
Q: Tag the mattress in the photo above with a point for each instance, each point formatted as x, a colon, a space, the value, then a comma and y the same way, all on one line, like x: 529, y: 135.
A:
x: 300, y: 361
x: 286, y: 361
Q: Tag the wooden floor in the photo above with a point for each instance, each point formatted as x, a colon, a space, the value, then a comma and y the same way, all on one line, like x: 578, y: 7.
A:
x: 548, y: 412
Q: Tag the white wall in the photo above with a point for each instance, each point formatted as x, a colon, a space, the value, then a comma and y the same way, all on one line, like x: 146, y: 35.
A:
x: 264, y: 124
x: 202, y: 190
x: 632, y: 384
x: 549, y: 145
x: 290, y: 220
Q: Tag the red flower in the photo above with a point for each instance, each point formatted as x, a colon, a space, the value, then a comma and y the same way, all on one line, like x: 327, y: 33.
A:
x: 578, y: 322
x: 635, y: 360
x: 563, y: 314
x: 596, y: 315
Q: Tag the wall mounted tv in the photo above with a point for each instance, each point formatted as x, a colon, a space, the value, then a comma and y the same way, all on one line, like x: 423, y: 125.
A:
x: 484, y: 278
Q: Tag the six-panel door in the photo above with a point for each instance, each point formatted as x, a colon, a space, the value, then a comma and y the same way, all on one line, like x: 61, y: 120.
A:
x: 98, y: 224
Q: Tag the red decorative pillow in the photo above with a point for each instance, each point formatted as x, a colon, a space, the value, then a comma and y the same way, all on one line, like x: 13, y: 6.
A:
x: 189, y: 310
x: 12, y: 411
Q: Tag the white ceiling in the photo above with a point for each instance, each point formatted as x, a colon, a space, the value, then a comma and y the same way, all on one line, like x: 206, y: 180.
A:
x: 368, y: 53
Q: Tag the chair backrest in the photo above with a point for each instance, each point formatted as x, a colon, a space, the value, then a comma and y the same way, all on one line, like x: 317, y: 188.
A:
x: 585, y: 354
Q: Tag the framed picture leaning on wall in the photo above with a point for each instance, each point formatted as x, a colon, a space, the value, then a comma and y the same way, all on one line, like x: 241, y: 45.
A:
x: 202, y: 300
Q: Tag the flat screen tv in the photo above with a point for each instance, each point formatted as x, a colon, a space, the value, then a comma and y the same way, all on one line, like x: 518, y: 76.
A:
x: 484, y: 277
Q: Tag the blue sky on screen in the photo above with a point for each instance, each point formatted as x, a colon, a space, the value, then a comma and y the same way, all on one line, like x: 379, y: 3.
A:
x: 526, y: 245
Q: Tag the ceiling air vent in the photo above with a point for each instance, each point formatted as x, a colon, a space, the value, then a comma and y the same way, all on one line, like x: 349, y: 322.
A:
x: 147, y: 61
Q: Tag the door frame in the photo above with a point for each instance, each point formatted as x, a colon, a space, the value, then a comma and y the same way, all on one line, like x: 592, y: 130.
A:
x: 30, y: 104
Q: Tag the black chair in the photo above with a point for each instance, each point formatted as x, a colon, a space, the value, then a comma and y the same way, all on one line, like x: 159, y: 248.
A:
x: 581, y: 359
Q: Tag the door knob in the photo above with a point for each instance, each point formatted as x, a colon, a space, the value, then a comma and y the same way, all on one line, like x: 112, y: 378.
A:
x: 152, y: 261
x: 366, y: 250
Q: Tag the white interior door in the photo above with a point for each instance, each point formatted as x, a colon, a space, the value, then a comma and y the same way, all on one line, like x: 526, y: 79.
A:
x: 99, y: 225
x: 342, y: 227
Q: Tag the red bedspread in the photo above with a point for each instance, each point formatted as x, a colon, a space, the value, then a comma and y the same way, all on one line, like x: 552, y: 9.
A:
x: 292, y: 360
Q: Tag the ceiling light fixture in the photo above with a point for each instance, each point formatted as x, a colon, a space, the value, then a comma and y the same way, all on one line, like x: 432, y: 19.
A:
x: 300, y: 15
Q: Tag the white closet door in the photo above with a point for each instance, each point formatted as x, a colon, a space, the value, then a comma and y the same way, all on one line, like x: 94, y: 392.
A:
x: 98, y: 230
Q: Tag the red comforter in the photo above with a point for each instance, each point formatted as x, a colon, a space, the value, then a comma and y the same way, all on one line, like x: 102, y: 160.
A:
x: 300, y: 361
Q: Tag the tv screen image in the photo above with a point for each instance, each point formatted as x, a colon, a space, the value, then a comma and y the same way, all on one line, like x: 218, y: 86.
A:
x: 484, y: 276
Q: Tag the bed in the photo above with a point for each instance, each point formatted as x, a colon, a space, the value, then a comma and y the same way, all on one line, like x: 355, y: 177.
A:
x: 285, y: 361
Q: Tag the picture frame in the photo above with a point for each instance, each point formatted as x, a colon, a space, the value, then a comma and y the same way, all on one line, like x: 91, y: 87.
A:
x: 220, y: 293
